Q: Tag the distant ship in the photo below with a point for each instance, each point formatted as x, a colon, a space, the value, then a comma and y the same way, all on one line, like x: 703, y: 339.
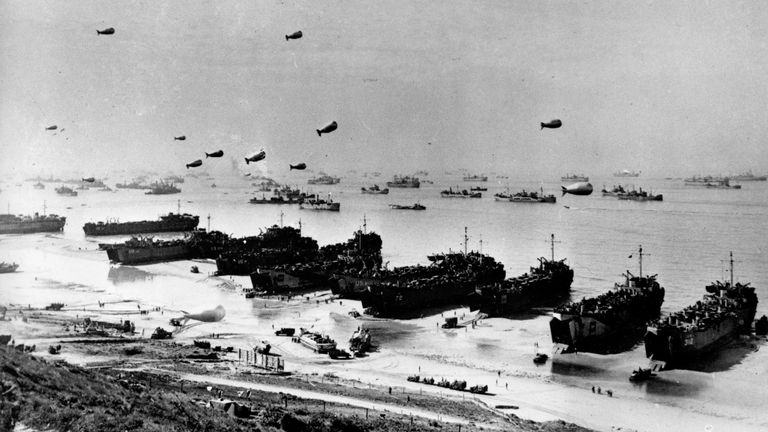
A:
x: 478, y: 178
x: 451, y: 193
x: 324, y: 179
x: 721, y: 184
x: 404, y: 182
x: 38, y: 185
x: 407, y: 207
x: 320, y: 204
x: 681, y: 337
x: 162, y: 188
x: 132, y: 185
x: 748, y: 176
x: 610, y: 322
x: 544, y: 285
x: 168, y: 223
x: 639, y: 195
x: 626, y: 173
x: 174, y: 179
x: 66, y: 191
x: 574, y: 178
x: 279, y: 199
x: 375, y: 190
x: 702, y: 181
x: 8, y: 267
x: 12, y: 224
x: 531, y: 197
x: 615, y: 191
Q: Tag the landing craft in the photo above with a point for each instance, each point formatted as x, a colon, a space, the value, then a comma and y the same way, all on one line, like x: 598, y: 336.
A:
x: 219, y: 153
x: 581, y: 188
x: 179, y: 138
x: 329, y: 128
x: 107, y: 31
x: 554, y: 124
x: 194, y: 164
x: 54, y: 127
x: 255, y: 158
x: 89, y: 179
x: 211, y: 315
x: 294, y: 35
x: 300, y: 166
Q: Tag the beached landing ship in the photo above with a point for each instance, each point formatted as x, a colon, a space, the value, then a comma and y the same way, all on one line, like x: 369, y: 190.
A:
x: 198, y: 244
x: 726, y: 310
x: 12, y: 224
x: 275, y: 246
x: 545, y: 285
x: 610, y: 322
x: 168, y: 223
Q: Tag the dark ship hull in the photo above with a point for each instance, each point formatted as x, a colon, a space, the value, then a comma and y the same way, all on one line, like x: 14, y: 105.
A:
x: 545, y: 286
x: 605, y: 334
x: 170, y: 223
x: 697, y: 330
x: 245, y: 264
x: 394, y: 300
x: 157, y: 252
x: 274, y: 281
x: 10, y: 224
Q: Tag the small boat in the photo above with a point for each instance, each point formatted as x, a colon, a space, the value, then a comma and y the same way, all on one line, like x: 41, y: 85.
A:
x: 532, y: 197
x: 479, y: 178
x: 615, y: 191
x: 39, y: 185
x: 478, y: 189
x: 67, y: 191
x: 641, y: 374
x: 405, y: 207
x: 375, y: 190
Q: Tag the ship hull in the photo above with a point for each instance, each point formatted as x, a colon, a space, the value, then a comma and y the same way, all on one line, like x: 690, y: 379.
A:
x: 541, y: 292
x: 31, y: 227
x: 140, y: 227
x: 146, y: 255
x: 673, y: 348
x: 403, y: 185
x: 604, y: 334
x: 278, y: 282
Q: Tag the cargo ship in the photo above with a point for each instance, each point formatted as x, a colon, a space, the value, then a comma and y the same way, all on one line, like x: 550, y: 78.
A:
x: 324, y: 179
x: 626, y: 173
x: 12, y: 224
x: 477, y: 178
x: 279, y: 199
x: 748, y: 176
x: 168, y: 223
x: 639, y: 195
x: 545, y: 285
x: 611, y: 322
x: 132, y: 185
x: 162, y: 188
x: 66, y: 191
x: 574, y: 178
x: 726, y: 311
x: 404, y: 182
x: 374, y: 190
x: 456, y: 193
x: 532, y: 197
x: 320, y: 204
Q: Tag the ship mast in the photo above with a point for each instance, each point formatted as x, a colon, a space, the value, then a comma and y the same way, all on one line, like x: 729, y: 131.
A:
x: 731, y: 269
x: 209, y: 222
x: 640, y: 258
x: 466, y: 239
x: 299, y: 227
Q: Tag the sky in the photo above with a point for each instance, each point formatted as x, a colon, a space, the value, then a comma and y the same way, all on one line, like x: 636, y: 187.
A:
x: 671, y: 88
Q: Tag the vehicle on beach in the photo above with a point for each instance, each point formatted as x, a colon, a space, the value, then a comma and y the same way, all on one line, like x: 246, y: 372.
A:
x: 315, y: 341
x: 641, y: 374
